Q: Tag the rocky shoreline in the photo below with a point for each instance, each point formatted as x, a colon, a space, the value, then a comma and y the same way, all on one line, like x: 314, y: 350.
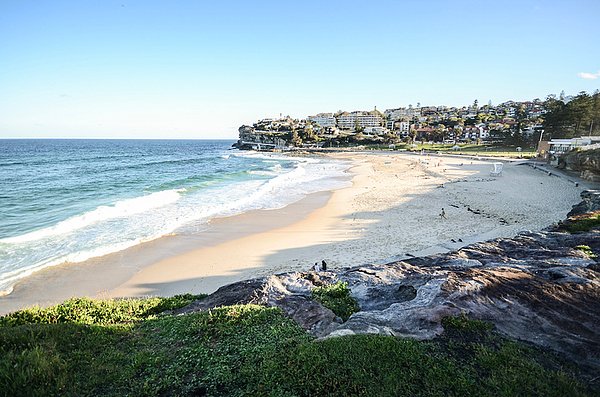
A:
x: 542, y: 288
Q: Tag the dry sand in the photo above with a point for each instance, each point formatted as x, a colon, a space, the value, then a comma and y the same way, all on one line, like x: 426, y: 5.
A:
x: 390, y: 211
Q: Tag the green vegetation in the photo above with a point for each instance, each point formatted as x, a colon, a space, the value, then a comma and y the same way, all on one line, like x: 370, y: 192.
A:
x: 571, y: 117
x: 582, y: 223
x: 481, y: 150
x: 586, y: 249
x: 337, y: 298
x: 463, y: 324
x: 256, y: 351
x: 468, y: 149
x: 98, y: 312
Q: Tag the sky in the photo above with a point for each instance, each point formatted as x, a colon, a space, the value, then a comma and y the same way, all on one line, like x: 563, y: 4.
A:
x: 200, y: 69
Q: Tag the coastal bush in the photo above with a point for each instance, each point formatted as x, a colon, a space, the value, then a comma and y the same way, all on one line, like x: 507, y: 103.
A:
x: 581, y: 223
x: 100, y: 312
x: 250, y: 350
x: 336, y: 297
x: 587, y: 250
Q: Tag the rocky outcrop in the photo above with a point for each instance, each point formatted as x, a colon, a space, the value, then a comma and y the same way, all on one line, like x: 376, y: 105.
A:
x: 542, y: 288
x: 251, y: 139
x: 590, y: 203
x: 587, y: 162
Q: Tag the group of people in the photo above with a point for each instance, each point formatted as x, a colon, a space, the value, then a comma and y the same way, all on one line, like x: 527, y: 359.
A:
x: 322, y: 267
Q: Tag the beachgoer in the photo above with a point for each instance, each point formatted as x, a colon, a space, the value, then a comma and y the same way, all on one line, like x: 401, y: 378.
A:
x: 443, y: 214
x: 323, y: 265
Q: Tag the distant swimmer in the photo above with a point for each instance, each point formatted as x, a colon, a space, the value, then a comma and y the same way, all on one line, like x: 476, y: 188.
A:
x: 443, y: 214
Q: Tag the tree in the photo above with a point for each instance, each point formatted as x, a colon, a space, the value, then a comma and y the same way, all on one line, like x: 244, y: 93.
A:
x: 308, y: 133
x: 357, y: 126
x: 390, y: 138
x: 295, y: 138
x: 579, y: 116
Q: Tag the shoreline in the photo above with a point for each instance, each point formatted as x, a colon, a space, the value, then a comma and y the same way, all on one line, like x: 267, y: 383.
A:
x: 96, y: 276
x: 389, y: 213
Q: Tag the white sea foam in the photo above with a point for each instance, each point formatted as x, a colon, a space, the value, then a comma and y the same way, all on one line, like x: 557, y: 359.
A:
x: 120, y: 209
x: 129, y: 222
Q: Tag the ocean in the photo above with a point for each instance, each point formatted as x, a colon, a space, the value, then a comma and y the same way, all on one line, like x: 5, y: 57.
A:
x: 72, y: 200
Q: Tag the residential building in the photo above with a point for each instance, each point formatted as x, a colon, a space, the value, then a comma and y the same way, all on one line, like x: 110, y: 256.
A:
x: 375, y: 130
x: 323, y: 119
x: 350, y: 121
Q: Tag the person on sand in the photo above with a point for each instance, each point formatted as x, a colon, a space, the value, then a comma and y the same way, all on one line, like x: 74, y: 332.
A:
x: 443, y: 214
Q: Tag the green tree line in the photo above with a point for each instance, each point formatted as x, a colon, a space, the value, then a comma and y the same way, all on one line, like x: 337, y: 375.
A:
x: 568, y: 118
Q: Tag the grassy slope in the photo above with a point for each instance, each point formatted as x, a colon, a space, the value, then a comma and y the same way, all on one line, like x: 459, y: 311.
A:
x: 466, y: 149
x: 120, y: 348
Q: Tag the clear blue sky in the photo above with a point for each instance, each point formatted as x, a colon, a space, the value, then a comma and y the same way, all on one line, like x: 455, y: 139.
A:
x: 199, y: 69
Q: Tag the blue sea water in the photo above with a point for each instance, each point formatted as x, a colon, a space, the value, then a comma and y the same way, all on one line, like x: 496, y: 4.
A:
x: 71, y: 200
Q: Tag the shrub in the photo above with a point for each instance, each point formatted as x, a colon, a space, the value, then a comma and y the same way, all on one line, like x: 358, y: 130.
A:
x: 99, y: 312
x: 581, y: 223
x: 586, y: 249
x: 336, y: 297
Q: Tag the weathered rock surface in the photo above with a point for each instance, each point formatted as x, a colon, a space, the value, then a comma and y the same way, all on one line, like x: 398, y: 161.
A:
x: 587, y: 162
x: 590, y: 203
x: 536, y: 287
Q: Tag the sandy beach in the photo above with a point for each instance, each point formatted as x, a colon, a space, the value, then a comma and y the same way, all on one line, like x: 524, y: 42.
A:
x: 391, y: 211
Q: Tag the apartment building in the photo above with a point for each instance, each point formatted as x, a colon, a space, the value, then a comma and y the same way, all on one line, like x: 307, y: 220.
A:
x: 323, y: 120
x: 350, y: 121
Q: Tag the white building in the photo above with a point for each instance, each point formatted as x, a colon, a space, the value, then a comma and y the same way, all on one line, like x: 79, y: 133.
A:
x: 323, y: 119
x: 558, y: 146
x: 400, y: 127
x: 399, y: 113
x: 352, y: 120
x: 375, y: 130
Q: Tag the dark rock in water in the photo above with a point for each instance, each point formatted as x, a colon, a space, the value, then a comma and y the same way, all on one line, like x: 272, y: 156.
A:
x: 536, y: 287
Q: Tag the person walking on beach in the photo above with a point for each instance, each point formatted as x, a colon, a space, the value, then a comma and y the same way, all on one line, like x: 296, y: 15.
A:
x: 443, y: 214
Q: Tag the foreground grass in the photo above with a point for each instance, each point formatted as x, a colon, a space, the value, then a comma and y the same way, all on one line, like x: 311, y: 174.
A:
x: 252, y: 350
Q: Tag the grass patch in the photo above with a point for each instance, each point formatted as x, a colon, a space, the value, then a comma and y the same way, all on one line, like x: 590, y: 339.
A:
x: 587, y: 250
x: 581, y: 223
x: 462, y: 323
x: 482, y: 150
x: 252, y: 350
x: 336, y: 297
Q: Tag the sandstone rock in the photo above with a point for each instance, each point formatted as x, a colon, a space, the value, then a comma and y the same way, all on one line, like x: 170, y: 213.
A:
x: 590, y: 202
x: 535, y: 287
x: 587, y: 162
